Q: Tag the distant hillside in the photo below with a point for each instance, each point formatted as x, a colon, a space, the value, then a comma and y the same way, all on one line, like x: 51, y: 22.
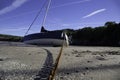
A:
x: 4, y: 37
x: 107, y: 35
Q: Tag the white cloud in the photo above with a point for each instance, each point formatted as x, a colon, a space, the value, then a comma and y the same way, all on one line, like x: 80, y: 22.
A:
x: 95, y: 12
x: 13, y: 29
x: 14, y: 5
x: 71, y: 3
x: 65, y: 24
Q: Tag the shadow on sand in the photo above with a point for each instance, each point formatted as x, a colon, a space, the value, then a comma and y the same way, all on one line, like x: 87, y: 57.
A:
x: 44, y: 73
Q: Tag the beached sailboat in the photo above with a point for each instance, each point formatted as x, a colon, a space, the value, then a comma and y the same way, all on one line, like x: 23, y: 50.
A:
x: 45, y: 37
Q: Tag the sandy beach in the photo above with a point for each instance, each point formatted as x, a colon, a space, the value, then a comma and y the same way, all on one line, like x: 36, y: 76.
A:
x: 25, y: 62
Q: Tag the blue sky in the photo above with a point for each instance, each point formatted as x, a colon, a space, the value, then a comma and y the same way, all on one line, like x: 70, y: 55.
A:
x: 17, y: 15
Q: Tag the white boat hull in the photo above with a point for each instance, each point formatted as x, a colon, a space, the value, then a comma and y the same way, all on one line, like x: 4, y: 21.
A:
x: 54, y: 42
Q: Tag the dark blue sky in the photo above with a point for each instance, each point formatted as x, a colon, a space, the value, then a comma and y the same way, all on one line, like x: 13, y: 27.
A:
x: 17, y: 15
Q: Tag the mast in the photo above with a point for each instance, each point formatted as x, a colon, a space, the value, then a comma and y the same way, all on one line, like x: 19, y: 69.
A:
x: 46, y: 12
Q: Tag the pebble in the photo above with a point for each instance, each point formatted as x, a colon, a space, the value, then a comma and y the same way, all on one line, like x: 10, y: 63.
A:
x: 1, y: 59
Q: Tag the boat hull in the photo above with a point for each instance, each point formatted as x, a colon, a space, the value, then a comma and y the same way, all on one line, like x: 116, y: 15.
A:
x: 54, y: 42
x: 48, y: 38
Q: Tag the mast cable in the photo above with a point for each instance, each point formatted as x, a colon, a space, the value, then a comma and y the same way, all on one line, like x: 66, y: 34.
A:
x: 35, y: 18
x: 44, y: 19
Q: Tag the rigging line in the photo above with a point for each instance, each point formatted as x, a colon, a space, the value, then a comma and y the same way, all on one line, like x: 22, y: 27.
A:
x: 57, y: 61
x: 44, y: 19
x: 35, y: 18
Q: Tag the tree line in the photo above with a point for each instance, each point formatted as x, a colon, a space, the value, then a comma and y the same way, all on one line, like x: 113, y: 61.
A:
x: 4, y: 37
x: 107, y: 35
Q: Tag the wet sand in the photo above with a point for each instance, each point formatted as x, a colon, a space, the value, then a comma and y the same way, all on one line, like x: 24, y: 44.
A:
x: 25, y: 62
